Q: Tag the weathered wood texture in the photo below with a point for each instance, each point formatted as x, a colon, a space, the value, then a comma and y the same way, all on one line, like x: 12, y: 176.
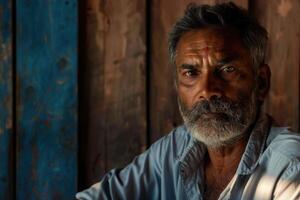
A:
x: 6, y: 148
x: 281, y: 19
x: 46, y: 72
x: 164, y: 114
x: 113, y: 92
x: 113, y: 80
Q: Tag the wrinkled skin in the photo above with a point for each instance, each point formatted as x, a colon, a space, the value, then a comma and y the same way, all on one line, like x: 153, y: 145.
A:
x: 217, y: 85
x: 219, y: 95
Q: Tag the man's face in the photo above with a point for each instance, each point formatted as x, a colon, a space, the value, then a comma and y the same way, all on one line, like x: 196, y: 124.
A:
x: 216, y: 85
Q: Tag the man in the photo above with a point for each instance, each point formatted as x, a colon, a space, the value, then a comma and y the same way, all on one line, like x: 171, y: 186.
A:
x: 227, y: 148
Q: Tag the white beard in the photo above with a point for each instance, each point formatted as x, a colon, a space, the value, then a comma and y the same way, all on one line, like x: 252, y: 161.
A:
x: 215, y: 133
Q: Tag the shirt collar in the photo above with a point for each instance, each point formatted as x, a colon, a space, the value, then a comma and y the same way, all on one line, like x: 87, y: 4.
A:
x: 194, y: 154
x: 255, y: 146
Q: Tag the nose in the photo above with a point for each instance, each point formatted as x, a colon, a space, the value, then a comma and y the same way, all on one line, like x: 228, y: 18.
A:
x: 209, y: 86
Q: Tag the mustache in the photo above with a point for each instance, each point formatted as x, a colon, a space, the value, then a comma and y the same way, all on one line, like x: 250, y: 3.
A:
x: 223, y: 106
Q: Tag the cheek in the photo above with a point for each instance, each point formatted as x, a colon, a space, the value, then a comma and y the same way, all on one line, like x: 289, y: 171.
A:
x: 186, y: 96
x: 240, y: 90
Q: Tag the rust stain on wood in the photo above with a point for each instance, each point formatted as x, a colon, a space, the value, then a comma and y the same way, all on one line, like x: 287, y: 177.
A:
x: 6, y: 137
x: 6, y: 53
x: 60, y: 82
x: 9, y: 123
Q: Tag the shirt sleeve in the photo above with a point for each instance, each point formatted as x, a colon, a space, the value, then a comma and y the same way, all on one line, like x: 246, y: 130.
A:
x: 140, y: 177
x: 288, y: 187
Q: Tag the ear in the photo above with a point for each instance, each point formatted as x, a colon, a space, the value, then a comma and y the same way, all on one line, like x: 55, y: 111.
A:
x: 264, y: 75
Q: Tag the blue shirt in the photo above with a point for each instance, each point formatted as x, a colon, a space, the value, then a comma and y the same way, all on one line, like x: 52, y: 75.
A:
x: 172, y: 168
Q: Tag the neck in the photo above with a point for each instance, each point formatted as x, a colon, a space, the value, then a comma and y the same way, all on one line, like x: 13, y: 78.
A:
x: 228, y: 157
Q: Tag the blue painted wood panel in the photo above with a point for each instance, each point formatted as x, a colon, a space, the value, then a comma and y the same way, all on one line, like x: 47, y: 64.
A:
x: 46, y: 99
x: 6, y: 165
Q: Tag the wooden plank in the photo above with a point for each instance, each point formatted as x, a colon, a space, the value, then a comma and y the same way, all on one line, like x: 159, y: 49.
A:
x: 281, y: 18
x: 92, y: 139
x: 46, y: 99
x: 6, y: 148
x: 164, y: 114
x: 114, y: 103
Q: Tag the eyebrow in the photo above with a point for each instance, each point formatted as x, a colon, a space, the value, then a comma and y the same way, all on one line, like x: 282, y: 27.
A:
x: 187, y: 66
x: 226, y: 60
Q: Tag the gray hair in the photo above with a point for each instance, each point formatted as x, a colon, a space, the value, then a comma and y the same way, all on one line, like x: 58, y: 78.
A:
x: 227, y: 15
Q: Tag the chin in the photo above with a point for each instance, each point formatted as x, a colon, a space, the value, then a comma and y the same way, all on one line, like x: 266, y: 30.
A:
x: 217, y: 134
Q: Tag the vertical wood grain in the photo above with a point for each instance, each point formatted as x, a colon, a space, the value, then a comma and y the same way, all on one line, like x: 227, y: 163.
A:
x: 92, y: 139
x: 6, y: 164
x: 164, y: 114
x: 113, y: 102
x: 281, y: 19
x: 46, y: 99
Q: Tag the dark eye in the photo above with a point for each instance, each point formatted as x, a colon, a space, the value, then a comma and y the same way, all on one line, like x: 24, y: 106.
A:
x: 191, y: 73
x: 228, y: 69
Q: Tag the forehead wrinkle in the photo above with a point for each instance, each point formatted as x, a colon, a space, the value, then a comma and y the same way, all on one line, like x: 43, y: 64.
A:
x: 199, y: 61
x: 205, y: 47
x: 204, y: 56
x: 223, y: 47
x: 203, y: 40
x: 202, y: 47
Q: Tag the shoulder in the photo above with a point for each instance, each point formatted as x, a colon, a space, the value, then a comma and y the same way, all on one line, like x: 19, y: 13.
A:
x: 284, y: 150
x: 178, y: 138
x: 284, y: 142
x: 174, y: 143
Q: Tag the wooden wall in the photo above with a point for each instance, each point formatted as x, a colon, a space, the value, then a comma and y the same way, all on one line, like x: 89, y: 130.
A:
x: 86, y: 85
x: 46, y: 103
x: 128, y: 99
x: 6, y: 102
x: 112, y: 86
x: 38, y: 99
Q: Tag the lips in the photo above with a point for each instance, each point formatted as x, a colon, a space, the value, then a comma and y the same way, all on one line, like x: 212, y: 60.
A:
x: 213, y: 115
